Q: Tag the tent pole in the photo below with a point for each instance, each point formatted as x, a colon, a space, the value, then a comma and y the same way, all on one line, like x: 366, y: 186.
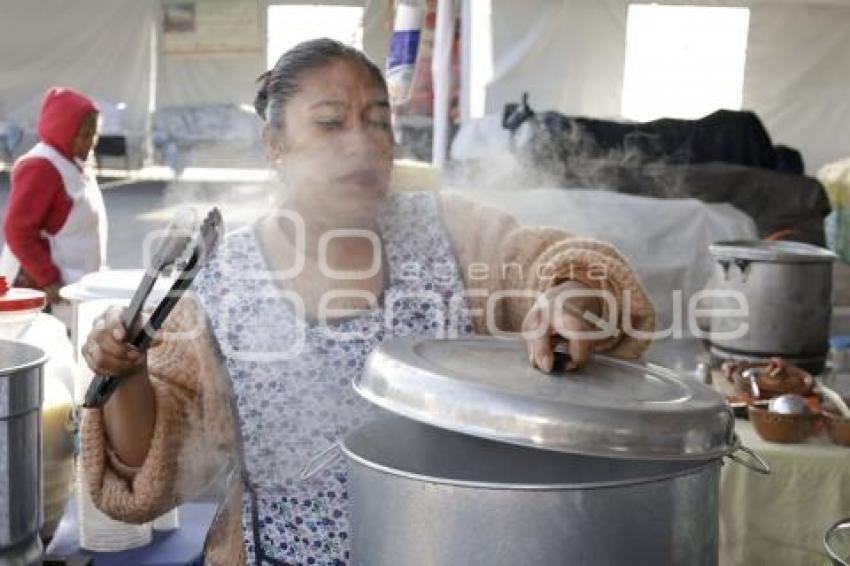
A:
x: 465, y: 60
x: 152, y: 80
x: 441, y: 72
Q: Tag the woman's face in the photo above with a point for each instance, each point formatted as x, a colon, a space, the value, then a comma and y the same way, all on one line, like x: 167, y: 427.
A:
x: 86, y: 136
x: 335, y: 149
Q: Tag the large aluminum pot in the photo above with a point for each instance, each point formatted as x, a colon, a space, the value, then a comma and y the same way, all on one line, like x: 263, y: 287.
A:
x: 21, y: 367
x: 787, y: 289
x: 424, y: 496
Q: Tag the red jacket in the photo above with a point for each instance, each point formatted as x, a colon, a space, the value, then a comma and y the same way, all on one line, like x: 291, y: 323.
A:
x: 38, y: 201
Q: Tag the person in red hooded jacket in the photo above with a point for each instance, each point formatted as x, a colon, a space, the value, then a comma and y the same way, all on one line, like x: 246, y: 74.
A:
x: 55, y: 221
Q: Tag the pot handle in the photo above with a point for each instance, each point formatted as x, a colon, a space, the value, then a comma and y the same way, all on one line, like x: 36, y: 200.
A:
x: 321, y: 461
x: 753, y: 461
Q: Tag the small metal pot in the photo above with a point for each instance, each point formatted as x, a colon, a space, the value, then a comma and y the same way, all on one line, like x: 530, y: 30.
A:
x: 21, y: 367
x: 423, y: 496
x: 787, y: 288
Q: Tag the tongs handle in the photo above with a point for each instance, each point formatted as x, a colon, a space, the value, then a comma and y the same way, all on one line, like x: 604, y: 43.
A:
x: 130, y: 316
x: 102, y: 387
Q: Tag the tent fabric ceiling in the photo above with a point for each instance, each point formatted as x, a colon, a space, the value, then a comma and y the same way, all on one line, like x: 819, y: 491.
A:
x: 101, y: 48
x: 796, y: 78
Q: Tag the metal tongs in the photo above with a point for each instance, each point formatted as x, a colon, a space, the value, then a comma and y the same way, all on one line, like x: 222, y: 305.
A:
x: 182, y: 252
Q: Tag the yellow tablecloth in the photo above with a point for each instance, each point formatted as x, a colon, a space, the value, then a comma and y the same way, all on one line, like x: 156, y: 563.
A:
x: 781, y: 518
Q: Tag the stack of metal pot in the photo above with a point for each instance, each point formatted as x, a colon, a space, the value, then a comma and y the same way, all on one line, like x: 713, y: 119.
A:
x: 489, y: 461
x: 21, y: 367
x: 786, y: 290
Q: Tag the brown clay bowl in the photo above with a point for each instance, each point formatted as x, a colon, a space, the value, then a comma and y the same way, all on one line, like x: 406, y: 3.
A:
x: 791, y: 379
x: 837, y: 427
x: 777, y: 427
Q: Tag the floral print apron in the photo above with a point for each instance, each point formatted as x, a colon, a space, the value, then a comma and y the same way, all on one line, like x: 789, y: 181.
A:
x: 291, y: 379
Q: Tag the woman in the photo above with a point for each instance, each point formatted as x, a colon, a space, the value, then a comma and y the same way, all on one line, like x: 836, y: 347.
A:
x: 288, y: 309
x: 55, y: 224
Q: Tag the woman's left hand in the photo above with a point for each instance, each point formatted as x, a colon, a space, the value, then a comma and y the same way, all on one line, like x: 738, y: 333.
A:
x: 559, y: 316
x: 52, y: 292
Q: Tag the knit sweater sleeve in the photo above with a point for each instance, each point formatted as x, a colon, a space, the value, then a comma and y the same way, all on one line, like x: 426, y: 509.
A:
x: 506, y: 265
x: 193, y: 437
x: 35, y: 203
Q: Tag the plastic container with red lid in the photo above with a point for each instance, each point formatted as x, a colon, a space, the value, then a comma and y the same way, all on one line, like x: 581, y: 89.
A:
x: 18, y: 308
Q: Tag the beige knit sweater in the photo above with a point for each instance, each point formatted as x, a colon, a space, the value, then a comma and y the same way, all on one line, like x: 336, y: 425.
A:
x: 194, y: 434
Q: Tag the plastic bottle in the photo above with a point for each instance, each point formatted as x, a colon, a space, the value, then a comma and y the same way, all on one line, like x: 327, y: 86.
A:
x: 404, y: 48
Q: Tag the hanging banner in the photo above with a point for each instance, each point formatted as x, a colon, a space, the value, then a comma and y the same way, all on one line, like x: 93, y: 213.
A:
x: 211, y: 27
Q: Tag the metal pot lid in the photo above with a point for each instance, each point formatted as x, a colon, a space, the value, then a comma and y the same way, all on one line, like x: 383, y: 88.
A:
x: 613, y: 408
x: 766, y: 250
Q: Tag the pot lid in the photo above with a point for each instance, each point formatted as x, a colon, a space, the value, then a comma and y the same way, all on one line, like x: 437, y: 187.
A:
x: 766, y: 250
x: 613, y: 408
x: 17, y: 299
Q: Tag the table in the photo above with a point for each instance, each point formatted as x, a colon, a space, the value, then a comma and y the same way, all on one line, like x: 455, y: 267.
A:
x: 781, y: 519
x: 183, y: 546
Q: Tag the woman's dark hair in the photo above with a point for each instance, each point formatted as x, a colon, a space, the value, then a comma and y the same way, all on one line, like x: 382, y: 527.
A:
x: 278, y: 85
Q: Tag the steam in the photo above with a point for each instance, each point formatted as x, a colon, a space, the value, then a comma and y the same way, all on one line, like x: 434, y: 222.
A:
x: 206, y: 461
x: 208, y: 454
x: 240, y: 202
x: 539, y: 157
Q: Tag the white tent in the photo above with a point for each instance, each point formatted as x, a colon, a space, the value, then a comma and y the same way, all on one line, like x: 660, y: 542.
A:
x: 569, y: 54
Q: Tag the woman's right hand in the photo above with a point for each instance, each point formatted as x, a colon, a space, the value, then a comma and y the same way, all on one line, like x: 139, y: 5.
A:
x: 106, y: 351
x: 129, y: 414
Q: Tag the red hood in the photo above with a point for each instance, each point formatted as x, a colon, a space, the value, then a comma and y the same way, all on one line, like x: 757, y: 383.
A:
x: 62, y: 112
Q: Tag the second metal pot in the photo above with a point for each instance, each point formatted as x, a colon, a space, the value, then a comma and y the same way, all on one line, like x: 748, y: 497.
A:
x: 786, y: 288
x: 21, y: 367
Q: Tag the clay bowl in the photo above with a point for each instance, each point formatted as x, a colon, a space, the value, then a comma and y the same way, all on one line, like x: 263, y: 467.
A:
x: 791, y: 380
x: 776, y: 427
x: 837, y: 427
